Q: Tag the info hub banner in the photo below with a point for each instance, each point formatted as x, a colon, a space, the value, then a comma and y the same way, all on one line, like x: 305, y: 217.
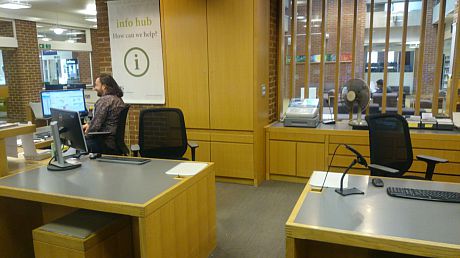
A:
x: 135, y: 44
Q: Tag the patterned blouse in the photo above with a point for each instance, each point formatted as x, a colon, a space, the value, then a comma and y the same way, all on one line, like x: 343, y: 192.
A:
x: 105, y: 119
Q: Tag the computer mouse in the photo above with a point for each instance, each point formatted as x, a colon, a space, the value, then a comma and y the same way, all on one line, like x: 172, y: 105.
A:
x: 377, y: 182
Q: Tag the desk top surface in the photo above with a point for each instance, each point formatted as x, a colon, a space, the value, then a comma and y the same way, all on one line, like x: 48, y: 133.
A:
x: 112, y: 182
x: 378, y: 214
x: 343, y: 126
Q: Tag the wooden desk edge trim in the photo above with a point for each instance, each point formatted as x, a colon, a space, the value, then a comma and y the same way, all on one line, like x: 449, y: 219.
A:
x: 158, y: 201
x: 298, y: 204
x: 415, y: 133
x: 366, y: 240
x: 17, y: 130
x: 72, y: 201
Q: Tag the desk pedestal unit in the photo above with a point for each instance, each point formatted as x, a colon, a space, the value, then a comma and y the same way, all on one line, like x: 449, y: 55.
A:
x: 85, y: 234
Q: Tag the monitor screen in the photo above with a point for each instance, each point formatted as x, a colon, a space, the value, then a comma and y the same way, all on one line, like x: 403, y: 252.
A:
x: 73, y: 100
x: 70, y: 130
x: 54, y: 86
x: 76, y: 86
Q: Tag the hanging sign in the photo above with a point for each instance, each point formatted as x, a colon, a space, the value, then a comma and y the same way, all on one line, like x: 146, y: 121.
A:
x: 136, y: 51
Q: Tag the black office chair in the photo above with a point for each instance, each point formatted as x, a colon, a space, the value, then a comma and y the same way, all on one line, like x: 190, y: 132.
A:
x: 162, y: 134
x: 119, y: 136
x: 391, y: 147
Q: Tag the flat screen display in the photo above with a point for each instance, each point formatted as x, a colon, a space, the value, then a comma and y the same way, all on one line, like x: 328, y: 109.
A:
x: 73, y: 100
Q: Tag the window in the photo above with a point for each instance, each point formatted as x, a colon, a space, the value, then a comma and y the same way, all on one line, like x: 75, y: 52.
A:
x: 2, y: 70
x: 65, y: 54
x: 310, y: 69
x: 65, y: 67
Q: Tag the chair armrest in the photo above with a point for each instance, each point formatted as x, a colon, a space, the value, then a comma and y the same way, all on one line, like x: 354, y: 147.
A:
x: 135, y: 149
x: 430, y: 164
x: 383, y: 168
x: 431, y: 159
x: 193, y: 146
x: 98, y: 133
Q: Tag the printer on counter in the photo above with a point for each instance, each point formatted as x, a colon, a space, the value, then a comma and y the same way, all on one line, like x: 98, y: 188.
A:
x: 302, y: 113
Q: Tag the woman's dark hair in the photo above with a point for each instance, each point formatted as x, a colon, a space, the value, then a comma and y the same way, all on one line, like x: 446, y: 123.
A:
x: 111, y: 85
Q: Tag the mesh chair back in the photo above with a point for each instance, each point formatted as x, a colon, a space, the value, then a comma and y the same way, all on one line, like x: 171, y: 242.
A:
x: 390, y: 143
x: 162, y: 133
x: 120, y: 135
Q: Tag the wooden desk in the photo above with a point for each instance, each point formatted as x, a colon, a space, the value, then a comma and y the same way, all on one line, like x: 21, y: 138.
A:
x: 326, y: 224
x: 293, y: 153
x: 170, y: 217
x: 10, y: 132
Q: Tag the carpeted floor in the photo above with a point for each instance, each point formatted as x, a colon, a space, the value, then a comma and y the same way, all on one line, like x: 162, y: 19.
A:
x: 250, y: 220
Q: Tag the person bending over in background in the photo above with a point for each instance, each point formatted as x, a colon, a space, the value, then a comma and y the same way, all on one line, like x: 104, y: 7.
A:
x: 106, y: 114
x: 380, y: 87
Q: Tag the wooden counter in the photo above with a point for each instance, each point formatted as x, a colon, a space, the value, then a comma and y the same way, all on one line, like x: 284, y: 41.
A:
x: 292, y: 153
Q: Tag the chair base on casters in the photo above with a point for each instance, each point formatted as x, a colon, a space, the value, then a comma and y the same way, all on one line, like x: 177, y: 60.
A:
x: 348, y: 191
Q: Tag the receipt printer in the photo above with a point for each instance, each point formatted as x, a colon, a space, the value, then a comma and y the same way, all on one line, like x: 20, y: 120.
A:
x: 302, y: 113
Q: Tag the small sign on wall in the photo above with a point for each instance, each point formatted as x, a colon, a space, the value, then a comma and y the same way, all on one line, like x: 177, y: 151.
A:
x: 44, y: 46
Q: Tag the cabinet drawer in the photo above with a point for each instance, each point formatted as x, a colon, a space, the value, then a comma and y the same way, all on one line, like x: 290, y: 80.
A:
x: 233, y: 159
x: 283, y: 158
x: 310, y: 157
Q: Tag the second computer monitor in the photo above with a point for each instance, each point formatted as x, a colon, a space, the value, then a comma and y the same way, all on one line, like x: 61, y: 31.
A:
x: 73, y: 100
x: 70, y: 129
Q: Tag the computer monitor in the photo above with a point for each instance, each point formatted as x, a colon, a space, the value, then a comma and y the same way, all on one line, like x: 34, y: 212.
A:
x: 54, y: 86
x: 76, y: 86
x: 73, y: 100
x: 66, y: 129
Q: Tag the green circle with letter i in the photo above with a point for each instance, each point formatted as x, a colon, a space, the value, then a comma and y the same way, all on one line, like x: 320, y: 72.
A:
x: 136, y: 62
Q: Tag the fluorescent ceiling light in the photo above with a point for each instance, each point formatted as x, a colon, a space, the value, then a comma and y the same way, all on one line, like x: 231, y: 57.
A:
x: 58, y: 30
x: 75, y: 33
x: 40, y: 36
x: 91, y: 19
x: 46, y: 39
x: 15, y: 4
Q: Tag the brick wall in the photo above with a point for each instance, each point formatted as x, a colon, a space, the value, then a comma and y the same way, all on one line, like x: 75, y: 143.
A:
x: 6, y: 29
x: 84, y: 66
x: 24, y: 78
x: 273, y: 61
x: 94, y: 53
x: 331, y: 29
x: 429, y: 61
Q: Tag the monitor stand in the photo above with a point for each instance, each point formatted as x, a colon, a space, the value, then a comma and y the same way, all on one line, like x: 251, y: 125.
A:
x: 59, y: 163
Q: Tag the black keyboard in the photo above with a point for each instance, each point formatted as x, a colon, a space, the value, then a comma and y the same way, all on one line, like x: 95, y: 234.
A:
x: 123, y: 160
x: 420, y: 194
